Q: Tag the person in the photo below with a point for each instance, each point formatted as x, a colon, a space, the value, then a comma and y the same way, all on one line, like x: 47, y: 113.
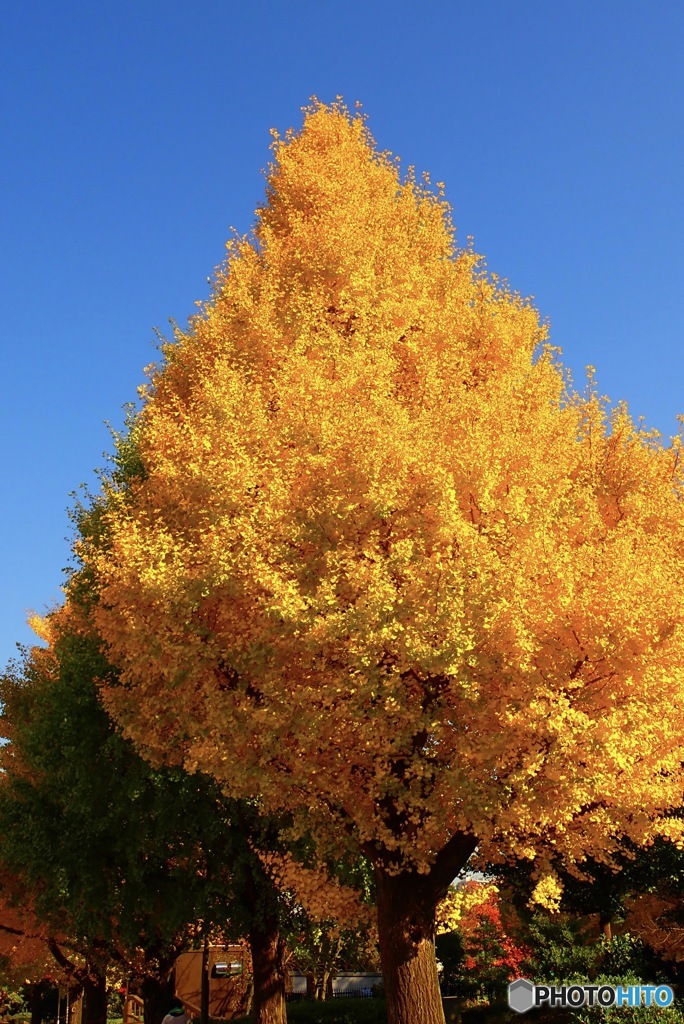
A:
x: 177, y: 1014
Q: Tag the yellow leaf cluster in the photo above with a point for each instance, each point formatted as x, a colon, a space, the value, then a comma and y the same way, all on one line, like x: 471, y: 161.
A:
x: 322, y: 897
x: 458, y: 901
x: 547, y: 892
x: 41, y: 626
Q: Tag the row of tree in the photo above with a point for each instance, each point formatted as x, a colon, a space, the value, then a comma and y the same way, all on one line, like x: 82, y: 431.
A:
x: 367, y: 561
x: 117, y: 865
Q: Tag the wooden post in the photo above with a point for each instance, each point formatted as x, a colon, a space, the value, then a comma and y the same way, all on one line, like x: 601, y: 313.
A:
x: 204, y: 995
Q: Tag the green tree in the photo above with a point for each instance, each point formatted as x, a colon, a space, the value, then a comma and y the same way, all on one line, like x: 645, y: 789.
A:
x: 125, y: 857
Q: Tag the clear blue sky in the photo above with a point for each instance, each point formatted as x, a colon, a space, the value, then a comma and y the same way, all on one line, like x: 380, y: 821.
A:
x: 134, y: 135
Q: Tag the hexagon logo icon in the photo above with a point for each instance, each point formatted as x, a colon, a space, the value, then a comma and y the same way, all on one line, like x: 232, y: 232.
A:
x: 521, y: 995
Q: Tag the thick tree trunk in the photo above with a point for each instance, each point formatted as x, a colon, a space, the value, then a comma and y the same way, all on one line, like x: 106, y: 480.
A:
x: 157, y: 996
x: 406, y: 926
x: 406, y: 929
x: 76, y: 1006
x: 268, y: 949
x: 95, y: 1000
x: 36, y: 1002
x: 269, y: 979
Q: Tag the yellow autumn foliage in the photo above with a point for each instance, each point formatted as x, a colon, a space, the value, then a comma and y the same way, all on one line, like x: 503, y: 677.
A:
x: 41, y: 626
x: 459, y: 901
x: 322, y: 897
x: 547, y: 892
x: 384, y: 567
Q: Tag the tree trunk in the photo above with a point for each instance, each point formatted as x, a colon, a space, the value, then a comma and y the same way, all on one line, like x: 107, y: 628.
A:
x: 249, y: 996
x: 606, y: 927
x: 269, y: 979
x: 36, y: 1002
x: 406, y: 927
x: 204, y: 983
x: 95, y: 1000
x: 157, y: 996
x: 268, y: 949
x: 406, y: 905
x: 76, y: 1010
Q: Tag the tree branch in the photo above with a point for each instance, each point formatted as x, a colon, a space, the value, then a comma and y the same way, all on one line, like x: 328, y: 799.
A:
x: 449, y: 861
x: 80, y: 973
x: 17, y: 931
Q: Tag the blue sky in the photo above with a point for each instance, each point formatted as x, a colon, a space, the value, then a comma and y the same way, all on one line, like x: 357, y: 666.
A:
x: 134, y: 135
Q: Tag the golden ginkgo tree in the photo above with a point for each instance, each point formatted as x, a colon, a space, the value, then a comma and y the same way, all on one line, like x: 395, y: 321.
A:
x: 381, y: 565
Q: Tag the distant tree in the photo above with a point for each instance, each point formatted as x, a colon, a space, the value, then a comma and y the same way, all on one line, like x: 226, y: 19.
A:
x: 599, y: 919
x: 492, y: 955
x: 479, y: 950
x: 126, y: 857
x: 605, y: 891
x: 597, y: 891
x: 322, y: 949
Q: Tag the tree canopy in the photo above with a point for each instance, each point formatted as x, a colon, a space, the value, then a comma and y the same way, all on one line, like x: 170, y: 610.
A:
x: 382, y: 564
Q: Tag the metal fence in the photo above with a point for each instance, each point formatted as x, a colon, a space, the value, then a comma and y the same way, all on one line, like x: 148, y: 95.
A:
x: 350, y: 993
x: 354, y: 993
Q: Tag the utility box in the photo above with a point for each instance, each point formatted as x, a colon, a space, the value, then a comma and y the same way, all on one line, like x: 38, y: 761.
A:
x: 230, y: 981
